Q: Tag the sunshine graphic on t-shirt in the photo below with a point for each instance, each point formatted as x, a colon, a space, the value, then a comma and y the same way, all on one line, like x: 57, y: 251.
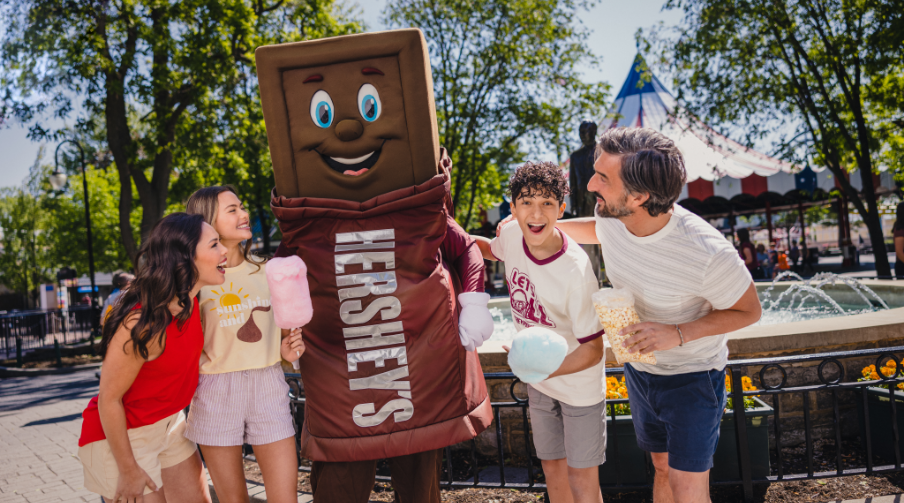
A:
x: 234, y: 306
x: 526, y: 306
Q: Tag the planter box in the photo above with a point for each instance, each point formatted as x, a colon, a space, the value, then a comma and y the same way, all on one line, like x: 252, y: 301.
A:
x: 725, y: 461
x: 880, y: 422
x: 630, y: 466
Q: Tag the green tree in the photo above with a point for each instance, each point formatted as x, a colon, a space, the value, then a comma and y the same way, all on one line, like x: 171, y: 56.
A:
x: 506, y: 84
x: 43, y: 230
x: 22, y: 264
x: 154, y: 73
x: 824, y: 71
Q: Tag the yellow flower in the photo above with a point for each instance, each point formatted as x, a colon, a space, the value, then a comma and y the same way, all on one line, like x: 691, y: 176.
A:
x: 865, y: 372
x: 874, y: 376
x: 901, y: 385
x: 623, y: 391
x: 745, y: 380
x: 612, y: 396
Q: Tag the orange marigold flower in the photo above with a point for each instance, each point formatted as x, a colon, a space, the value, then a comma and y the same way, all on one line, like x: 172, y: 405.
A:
x: 872, y: 367
x: 888, y: 372
x: 874, y: 376
x: 891, y: 364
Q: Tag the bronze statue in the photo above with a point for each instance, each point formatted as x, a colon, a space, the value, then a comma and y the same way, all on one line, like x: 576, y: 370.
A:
x: 583, y: 202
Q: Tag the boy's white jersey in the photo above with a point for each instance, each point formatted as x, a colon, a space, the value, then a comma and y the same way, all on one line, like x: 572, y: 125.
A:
x: 555, y: 293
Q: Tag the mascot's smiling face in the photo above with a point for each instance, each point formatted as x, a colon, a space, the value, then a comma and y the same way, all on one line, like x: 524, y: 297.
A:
x: 346, y: 115
x: 349, y: 117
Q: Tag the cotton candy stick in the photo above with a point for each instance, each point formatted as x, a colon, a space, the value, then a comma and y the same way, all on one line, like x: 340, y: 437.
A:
x: 290, y: 295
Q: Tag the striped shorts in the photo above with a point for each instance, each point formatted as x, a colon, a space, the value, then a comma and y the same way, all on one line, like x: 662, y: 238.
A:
x: 244, y: 407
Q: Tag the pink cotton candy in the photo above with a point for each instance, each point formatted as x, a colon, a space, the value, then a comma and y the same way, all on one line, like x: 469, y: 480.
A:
x: 290, y: 295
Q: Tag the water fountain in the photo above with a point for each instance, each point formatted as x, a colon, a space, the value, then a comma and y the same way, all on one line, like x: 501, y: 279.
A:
x: 801, y: 300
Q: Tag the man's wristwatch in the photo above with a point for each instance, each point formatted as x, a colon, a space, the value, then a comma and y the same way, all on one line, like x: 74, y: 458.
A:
x: 680, y: 335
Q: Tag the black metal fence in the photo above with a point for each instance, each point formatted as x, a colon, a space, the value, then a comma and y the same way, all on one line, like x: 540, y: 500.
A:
x: 21, y: 332
x: 810, y: 396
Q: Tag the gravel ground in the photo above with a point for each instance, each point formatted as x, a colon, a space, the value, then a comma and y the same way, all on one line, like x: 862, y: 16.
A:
x: 821, y: 491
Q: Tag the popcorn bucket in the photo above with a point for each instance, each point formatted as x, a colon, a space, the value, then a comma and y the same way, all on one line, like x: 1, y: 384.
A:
x: 615, y: 308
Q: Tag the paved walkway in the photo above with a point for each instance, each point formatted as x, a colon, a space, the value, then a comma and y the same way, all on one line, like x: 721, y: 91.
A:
x: 40, y: 422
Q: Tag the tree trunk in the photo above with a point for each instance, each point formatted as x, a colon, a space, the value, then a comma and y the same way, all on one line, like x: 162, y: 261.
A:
x: 120, y: 141
x: 873, y: 223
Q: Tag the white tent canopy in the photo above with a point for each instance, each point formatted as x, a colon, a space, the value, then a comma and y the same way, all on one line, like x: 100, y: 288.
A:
x: 644, y: 102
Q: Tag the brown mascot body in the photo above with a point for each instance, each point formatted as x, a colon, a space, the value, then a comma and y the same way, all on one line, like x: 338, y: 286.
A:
x: 362, y: 198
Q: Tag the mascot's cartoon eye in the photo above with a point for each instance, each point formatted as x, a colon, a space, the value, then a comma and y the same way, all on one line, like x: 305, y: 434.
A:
x: 322, y: 109
x: 369, y: 103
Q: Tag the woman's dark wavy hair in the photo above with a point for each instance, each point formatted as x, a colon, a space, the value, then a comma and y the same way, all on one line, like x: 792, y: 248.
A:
x: 166, y: 271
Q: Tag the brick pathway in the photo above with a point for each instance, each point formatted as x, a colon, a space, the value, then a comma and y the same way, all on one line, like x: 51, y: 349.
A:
x: 40, y: 422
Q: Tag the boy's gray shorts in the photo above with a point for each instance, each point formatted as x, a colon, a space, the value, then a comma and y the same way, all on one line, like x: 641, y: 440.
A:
x: 577, y: 434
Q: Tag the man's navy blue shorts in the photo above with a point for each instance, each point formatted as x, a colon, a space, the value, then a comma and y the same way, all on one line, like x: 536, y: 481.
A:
x: 678, y: 414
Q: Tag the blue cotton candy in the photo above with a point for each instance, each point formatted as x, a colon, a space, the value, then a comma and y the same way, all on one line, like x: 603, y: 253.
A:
x: 536, y: 352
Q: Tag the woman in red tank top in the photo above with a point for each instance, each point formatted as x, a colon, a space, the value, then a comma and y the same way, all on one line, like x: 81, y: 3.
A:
x: 131, y: 446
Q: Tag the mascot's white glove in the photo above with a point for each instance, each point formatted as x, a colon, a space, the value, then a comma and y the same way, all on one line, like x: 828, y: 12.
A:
x: 536, y: 352
x: 475, y: 325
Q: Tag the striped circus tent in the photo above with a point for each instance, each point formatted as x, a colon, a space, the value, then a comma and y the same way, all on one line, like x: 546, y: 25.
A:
x: 719, y: 170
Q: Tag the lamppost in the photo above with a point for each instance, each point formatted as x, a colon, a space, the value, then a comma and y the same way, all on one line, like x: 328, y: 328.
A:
x: 58, y: 181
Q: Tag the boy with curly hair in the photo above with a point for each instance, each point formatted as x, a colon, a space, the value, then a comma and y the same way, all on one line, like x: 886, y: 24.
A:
x: 550, y: 283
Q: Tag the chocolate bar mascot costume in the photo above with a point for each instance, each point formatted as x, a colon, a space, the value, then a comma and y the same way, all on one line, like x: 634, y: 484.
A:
x: 362, y: 197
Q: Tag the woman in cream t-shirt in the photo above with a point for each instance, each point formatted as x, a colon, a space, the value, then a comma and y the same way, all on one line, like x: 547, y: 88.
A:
x: 242, y: 395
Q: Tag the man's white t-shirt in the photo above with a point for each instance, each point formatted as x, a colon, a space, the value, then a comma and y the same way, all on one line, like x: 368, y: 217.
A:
x: 555, y: 293
x: 677, y: 275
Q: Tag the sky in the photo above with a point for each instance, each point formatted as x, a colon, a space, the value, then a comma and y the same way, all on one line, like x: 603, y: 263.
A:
x: 611, y: 23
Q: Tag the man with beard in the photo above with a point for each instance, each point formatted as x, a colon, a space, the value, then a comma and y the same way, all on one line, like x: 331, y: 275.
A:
x: 690, y: 287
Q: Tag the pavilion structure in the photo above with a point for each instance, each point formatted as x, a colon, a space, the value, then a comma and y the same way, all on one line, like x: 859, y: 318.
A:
x: 726, y: 179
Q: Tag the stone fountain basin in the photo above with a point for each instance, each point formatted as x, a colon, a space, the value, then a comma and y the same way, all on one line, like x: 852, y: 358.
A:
x: 883, y: 328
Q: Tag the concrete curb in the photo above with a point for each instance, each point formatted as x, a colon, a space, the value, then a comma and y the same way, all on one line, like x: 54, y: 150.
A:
x: 17, y: 372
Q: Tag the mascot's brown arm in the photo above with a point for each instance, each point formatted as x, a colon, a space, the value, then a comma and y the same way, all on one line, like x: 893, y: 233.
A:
x: 460, y: 251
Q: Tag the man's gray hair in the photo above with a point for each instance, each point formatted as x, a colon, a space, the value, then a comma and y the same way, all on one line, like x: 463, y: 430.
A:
x: 650, y: 164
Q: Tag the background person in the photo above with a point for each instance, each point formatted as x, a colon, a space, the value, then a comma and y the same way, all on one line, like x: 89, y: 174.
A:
x: 242, y: 395
x: 121, y: 281
x: 794, y: 256
x: 132, y: 445
x: 749, y: 254
x: 690, y: 287
x: 765, y: 263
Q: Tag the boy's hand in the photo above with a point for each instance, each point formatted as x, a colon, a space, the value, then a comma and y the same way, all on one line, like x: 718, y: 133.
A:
x: 292, y: 347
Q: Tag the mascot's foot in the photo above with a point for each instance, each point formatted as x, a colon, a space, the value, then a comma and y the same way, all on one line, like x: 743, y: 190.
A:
x: 415, y: 477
